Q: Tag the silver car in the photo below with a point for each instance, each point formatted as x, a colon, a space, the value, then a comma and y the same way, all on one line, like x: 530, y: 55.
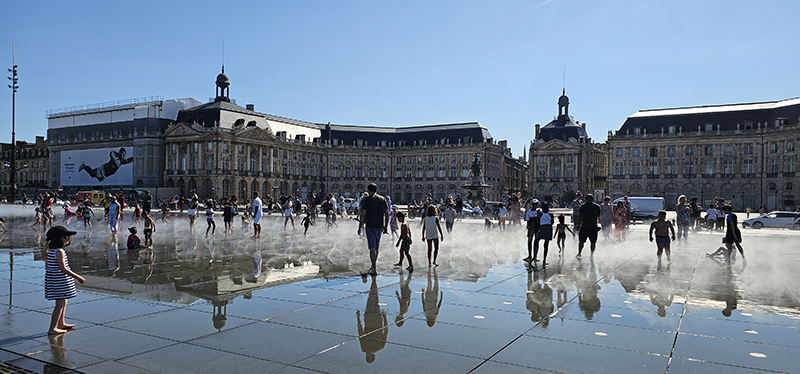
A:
x: 778, y: 219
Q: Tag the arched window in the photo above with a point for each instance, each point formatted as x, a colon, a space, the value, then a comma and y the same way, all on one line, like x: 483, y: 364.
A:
x: 242, y: 188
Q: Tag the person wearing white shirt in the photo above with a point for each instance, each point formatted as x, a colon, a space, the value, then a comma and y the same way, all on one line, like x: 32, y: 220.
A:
x: 711, y: 217
x: 257, y: 210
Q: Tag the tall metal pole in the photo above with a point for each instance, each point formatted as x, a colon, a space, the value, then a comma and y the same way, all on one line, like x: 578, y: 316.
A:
x: 13, y: 86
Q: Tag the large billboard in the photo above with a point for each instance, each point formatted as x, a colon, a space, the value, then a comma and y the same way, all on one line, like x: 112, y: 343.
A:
x: 93, y: 167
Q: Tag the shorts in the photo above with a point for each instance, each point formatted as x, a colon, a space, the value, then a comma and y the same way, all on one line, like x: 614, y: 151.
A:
x: 405, y: 245
x: 87, y: 219
x: 562, y: 235
x: 148, y: 232
x: 191, y: 212
x: 589, y: 232
x: 662, y: 239
x: 287, y: 213
x: 532, y: 232
x: 112, y: 223
x: 257, y: 219
x: 373, y: 237
x: 448, y: 225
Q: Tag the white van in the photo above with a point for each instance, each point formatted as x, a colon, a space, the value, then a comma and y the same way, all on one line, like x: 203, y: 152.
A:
x: 644, y: 208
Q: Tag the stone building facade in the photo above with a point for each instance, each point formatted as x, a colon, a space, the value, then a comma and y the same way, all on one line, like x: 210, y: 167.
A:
x: 563, y: 159
x: 745, y: 153
x: 32, y: 166
x: 221, y: 149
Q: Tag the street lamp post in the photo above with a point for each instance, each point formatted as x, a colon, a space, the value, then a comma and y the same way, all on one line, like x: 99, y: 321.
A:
x: 13, y: 86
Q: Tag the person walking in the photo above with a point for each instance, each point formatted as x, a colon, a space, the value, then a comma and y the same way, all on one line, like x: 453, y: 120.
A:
x: 375, y: 216
x: 257, y: 212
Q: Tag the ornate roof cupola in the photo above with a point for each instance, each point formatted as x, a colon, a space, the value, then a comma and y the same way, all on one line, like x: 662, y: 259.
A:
x: 563, y: 105
x: 223, y: 90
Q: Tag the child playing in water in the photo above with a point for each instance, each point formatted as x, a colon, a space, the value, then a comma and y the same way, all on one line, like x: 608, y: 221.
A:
x: 38, y: 219
x: 662, y: 228
x: 487, y: 224
x: 137, y: 213
x: 59, y: 280
x: 545, y: 233
x: 405, y: 240
x: 87, y: 215
x: 429, y: 233
x: 620, y: 214
x: 3, y: 224
x: 164, y: 213
x: 306, y: 222
x: 149, y: 229
x: 393, y: 220
x: 245, y: 219
x: 134, y: 243
x: 561, y: 235
x: 210, y: 220
x: 501, y: 216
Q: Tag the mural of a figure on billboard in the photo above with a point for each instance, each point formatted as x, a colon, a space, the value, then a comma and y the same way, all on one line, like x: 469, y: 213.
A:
x: 117, y: 158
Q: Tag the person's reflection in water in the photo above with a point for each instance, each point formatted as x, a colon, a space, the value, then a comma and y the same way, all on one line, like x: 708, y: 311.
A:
x: 432, y: 298
x: 728, y: 292
x: 662, y: 295
x: 404, y: 299
x: 59, y: 354
x: 113, y: 257
x: 587, y: 293
x: 539, y: 297
x: 371, y: 340
x: 562, y: 284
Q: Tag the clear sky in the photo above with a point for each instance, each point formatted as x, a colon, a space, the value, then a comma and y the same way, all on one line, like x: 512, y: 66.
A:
x: 404, y: 63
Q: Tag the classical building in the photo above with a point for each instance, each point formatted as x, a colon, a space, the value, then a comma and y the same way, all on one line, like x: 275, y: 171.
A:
x: 32, y: 171
x: 563, y: 159
x: 744, y: 153
x: 111, y: 145
x: 220, y: 149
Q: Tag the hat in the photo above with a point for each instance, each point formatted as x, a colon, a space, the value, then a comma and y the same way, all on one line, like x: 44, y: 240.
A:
x: 59, y: 231
x: 535, y: 201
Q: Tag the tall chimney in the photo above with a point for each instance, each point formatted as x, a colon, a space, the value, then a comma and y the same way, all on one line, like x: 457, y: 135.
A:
x: 537, y: 131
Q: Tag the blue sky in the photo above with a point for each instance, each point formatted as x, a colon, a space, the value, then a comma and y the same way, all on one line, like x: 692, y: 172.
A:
x: 404, y: 63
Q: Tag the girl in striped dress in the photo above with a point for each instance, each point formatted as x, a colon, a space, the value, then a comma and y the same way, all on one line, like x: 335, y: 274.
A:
x: 59, y: 281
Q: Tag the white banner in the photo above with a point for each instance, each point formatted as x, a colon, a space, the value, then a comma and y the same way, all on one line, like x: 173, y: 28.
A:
x: 92, y: 167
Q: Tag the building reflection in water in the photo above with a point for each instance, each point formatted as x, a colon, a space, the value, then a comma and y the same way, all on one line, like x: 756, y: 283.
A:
x: 432, y: 298
x: 373, y: 332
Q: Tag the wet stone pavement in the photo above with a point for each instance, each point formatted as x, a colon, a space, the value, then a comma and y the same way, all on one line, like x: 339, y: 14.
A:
x: 295, y: 304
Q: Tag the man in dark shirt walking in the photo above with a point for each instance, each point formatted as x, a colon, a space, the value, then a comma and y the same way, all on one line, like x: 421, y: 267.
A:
x: 375, y: 215
x: 587, y: 216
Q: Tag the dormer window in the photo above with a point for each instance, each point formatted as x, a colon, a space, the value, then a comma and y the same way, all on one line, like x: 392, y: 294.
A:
x: 709, y: 127
x: 672, y: 129
x: 637, y: 130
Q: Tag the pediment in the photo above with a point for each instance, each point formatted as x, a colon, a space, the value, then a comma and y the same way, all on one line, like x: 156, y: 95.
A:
x: 180, y: 129
x: 256, y: 133
x: 555, y: 144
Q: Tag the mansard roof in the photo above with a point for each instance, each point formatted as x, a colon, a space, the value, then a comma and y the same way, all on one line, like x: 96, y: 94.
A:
x: 429, y: 134
x: 727, y: 116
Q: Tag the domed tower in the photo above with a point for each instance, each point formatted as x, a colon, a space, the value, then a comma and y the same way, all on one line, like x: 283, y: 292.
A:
x: 563, y: 105
x: 223, y: 90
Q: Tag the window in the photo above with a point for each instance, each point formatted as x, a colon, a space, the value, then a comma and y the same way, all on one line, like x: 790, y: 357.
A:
x: 225, y: 163
x: 174, y: 148
x: 636, y: 168
x: 441, y: 159
x: 748, y: 167
x: 420, y: 173
x: 790, y: 146
x: 209, y: 163
x: 555, y: 172
x: 264, y: 168
x: 618, y: 153
x: 409, y: 173
x: 372, y: 160
x: 542, y: 160
x: 653, y: 168
x: 689, y: 151
x: 335, y: 159
x: 240, y: 165
x: 727, y: 150
x: 790, y: 164
x: 196, y: 147
x: 430, y: 173
x: 383, y: 160
x: 671, y: 152
x: 384, y: 173
x: 671, y: 129
x: 671, y: 168
x: 195, y: 163
x: 570, y: 172
x: 347, y: 172
x: 371, y: 173
x: 637, y: 130
x: 708, y: 167
x: 285, y: 169
x: 441, y: 172
x: 225, y: 147
x: 253, y: 164
x: 773, y: 148
x: 360, y: 160
x: 709, y: 127
x: 653, y: 152
x: 453, y: 172
x: 274, y: 152
x: 618, y: 169
x: 635, y: 152
x: 688, y: 168
x: 398, y: 173
x: 335, y: 171
x: 542, y: 173
x: 240, y: 148
x: 773, y: 165
x: 419, y: 160
x: 708, y: 150
x: 569, y: 159
x: 210, y: 147
x: 727, y: 167
x: 453, y: 159
x: 466, y: 158
x: 430, y: 159
x: 359, y: 172
x: 303, y: 170
x: 464, y: 172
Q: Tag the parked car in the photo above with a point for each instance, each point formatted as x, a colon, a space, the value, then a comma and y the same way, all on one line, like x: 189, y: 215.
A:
x: 778, y: 219
x: 644, y: 208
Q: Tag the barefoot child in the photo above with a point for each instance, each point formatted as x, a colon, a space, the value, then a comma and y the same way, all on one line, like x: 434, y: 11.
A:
x: 732, y: 235
x: 137, y: 213
x: 38, y: 220
x: 393, y: 221
x: 134, y: 243
x: 59, y: 281
x: 149, y: 229
x: 210, y: 220
x: 561, y: 235
x: 545, y: 233
x: 662, y: 227
x: 405, y: 239
x: 429, y: 233
x: 306, y: 222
